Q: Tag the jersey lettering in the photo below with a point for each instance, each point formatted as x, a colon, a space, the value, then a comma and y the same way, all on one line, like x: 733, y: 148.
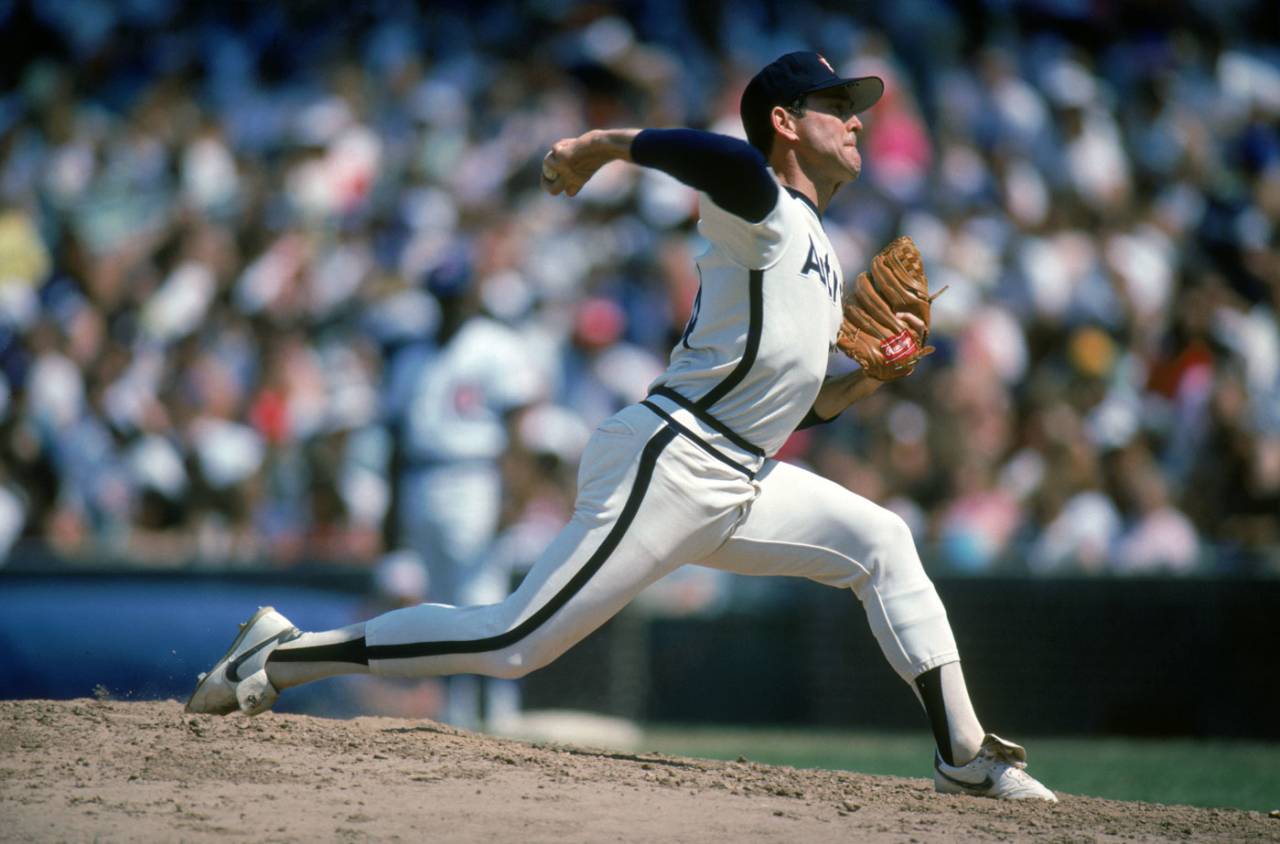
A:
x: 468, y: 399
x: 822, y: 266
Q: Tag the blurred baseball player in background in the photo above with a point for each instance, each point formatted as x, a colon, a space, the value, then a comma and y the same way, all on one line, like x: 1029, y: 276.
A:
x: 686, y: 476
x: 453, y: 431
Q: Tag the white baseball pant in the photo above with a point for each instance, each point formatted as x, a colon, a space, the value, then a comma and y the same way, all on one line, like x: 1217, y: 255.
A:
x: 659, y: 488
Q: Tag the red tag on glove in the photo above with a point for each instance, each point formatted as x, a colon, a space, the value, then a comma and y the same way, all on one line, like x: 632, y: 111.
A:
x: 899, y: 346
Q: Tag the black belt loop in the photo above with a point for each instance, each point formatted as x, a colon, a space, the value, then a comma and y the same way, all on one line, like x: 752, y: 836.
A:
x: 699, y: 441
x: 720, y: 427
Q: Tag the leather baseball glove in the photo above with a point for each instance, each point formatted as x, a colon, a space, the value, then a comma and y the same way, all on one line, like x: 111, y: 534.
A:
x: 873, y: 333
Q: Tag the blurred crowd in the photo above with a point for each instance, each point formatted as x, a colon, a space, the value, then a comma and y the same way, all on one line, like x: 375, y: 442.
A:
x: 278, y: 285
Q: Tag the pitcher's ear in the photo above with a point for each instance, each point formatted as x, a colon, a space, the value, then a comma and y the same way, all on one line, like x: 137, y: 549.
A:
x: 784, y: 122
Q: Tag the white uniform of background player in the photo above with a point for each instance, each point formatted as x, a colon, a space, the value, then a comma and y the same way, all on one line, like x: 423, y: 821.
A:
x: 685, y: 476
x: 451, y: 489
x: 454, y: 432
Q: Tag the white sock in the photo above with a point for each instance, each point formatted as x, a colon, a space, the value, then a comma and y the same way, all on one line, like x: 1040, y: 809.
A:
x: 966, y: 730
x: 945, y: 698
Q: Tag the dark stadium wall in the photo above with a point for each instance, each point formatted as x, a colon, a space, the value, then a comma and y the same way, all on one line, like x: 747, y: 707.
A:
x: 1134, y: 657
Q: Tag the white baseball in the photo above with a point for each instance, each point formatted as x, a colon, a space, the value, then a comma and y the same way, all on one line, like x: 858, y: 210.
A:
x: 549, y: 173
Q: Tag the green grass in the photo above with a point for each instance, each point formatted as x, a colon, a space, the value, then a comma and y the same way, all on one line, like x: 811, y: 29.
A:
x: 1236, y: 775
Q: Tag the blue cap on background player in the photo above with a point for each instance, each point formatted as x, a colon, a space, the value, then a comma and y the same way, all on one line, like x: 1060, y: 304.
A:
x: 449, y: 279
x: 789, y: 78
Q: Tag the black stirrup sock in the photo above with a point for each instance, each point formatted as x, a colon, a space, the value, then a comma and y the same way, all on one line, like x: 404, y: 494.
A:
x: 352, y: 651
x: 930, y: 686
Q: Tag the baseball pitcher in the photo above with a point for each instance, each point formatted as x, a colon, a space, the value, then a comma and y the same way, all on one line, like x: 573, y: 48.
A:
x: 686, y: 475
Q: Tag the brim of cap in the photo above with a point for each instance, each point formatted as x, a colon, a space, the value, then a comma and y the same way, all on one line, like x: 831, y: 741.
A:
x: 865, y: 91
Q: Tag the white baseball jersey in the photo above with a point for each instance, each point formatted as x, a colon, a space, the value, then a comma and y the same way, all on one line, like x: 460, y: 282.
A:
x: 456, y: 409
x: 768, y: 310
x: 450, y: 495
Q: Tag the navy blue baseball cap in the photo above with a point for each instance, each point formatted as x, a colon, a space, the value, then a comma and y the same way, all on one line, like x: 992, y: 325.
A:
x: 789, y: 78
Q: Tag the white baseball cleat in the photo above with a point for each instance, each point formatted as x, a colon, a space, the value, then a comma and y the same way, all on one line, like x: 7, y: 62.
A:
x: 239, y: 679
x: 997, y: 771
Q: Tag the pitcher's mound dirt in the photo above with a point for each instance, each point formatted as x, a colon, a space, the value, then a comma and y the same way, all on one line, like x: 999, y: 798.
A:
x: 89, y: 770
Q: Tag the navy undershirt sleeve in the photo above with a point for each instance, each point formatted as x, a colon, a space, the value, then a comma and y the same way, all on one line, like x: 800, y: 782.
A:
x: 812, y: 419
x: 732, y: 172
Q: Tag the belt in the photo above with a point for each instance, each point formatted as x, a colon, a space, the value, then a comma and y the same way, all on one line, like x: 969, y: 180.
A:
x: 705, y: 431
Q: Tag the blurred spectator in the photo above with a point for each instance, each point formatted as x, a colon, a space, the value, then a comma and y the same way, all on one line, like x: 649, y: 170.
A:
x: 600, y: 372
x: 1157, y: 538
x: 243, y: 250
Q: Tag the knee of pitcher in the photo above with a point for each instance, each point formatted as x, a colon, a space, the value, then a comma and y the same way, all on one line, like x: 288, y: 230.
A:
x: 895, y: 546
